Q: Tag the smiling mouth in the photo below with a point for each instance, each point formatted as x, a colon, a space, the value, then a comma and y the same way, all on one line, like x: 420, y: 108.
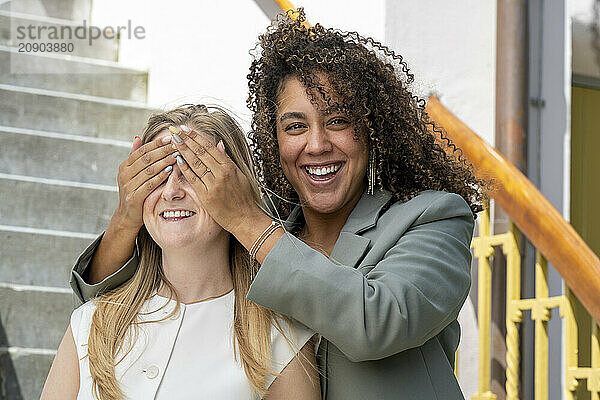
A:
x: 172, y: 216
x: 323, y: 172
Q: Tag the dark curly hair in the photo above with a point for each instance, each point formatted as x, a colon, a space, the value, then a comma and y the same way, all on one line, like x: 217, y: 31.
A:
x: 410, y: 152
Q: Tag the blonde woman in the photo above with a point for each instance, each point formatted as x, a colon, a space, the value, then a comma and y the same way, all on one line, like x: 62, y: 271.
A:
x: 182, y: 327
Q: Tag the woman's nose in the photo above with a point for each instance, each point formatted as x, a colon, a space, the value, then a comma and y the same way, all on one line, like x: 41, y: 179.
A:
x: 317, y: 141
x: 173, y: 189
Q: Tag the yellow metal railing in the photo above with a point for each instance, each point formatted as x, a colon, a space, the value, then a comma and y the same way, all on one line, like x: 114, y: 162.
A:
x: 483, y: 250
x: 540, y: 307
x: 557, y: 240
x: 574, y: 372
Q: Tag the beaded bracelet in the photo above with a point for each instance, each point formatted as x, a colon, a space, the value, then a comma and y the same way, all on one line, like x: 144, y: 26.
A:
x: 263, y: 237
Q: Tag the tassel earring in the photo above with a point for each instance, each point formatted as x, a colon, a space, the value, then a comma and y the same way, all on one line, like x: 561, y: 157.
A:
x: 371, y: 173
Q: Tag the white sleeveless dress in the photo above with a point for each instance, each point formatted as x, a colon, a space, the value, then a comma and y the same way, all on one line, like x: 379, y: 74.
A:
x: 187, y: 356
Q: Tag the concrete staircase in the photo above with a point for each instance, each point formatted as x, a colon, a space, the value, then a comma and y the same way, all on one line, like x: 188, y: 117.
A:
x: 63, y: 133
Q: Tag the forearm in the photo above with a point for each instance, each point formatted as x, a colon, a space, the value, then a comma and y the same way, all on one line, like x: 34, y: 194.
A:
x: 302, y: 283
x: 114, y: 250
x: 407, y: 297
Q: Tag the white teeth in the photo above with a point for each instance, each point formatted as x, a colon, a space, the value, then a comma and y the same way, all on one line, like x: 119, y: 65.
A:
x: 177, y: 214
x: 323, y: 170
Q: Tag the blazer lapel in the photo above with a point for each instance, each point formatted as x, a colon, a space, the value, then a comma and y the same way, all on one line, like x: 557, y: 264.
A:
x: 350, y: 247
x: 366, y: 212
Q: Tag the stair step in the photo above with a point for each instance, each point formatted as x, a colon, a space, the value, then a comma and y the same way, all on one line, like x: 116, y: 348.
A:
x: 25, y: 371
x: 41, y: 109
x: 66, y: 9
x: 55, y: 204
x: 71, y: 158
x: 66, y: 122
x: 34, y: 316
x: 38, y: 257
x: 11, y: 34
x: 72, y: 74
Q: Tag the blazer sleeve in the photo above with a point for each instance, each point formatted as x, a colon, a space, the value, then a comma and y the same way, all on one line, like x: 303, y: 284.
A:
x: 85, y: 291
x: 408, y: 297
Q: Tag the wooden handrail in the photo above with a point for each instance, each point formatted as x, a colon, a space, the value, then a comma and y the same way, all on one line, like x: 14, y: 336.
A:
x: 528, y: 209
x: 287, y: 5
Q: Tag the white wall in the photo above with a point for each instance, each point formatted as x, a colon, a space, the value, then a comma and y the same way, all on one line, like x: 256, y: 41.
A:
x: 366, y: 18
x: 197, y: 51
x: 582, y: 10
x: 450, y: 47
x: 585, y: 59
x: 194, y: 51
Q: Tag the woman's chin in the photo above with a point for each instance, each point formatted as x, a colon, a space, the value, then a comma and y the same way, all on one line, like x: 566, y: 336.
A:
x: 188, y: 240
x: 323, y: 204
x: 178, y: 241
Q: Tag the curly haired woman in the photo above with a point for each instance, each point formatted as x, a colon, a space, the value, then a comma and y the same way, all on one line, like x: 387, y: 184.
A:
x: 374, y: 251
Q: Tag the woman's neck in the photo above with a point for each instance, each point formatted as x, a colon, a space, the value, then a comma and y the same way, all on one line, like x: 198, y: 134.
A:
x: 198, y: 272
x: 321, y: 231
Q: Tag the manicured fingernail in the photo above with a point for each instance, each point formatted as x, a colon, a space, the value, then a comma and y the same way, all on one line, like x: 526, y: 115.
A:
x: 166, y: 139
x: 185, y: 128
x: 136, y: 137
x: 177, y: 138
x: 174, y: 129
x: 174, y: 147
x: 176, y: 154
x: 179, y: 160
x: 169, y: 168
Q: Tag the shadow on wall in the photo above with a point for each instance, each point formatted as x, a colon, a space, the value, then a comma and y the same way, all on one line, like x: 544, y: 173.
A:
x: 9, y: 383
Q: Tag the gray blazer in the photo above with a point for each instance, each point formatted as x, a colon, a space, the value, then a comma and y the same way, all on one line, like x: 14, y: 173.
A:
x: 385, y: 302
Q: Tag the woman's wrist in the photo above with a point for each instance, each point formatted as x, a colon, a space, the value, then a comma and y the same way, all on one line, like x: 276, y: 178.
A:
x: 114, y: 250
x: 252, y: 229
x: 263, y: 237
x: 120, y: 225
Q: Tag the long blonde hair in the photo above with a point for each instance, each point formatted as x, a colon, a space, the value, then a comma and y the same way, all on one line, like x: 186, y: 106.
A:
x: 115, y: 317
